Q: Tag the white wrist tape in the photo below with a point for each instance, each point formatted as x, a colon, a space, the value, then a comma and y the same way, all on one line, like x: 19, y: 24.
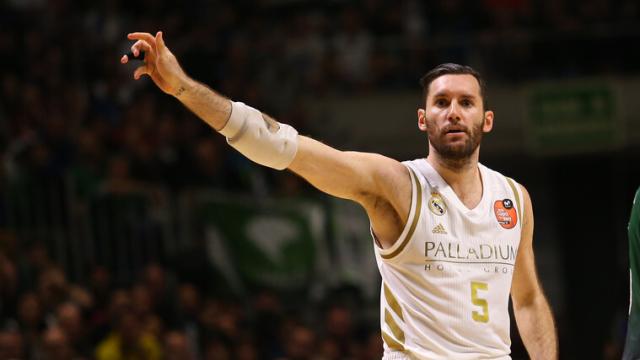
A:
x: 260, y: 138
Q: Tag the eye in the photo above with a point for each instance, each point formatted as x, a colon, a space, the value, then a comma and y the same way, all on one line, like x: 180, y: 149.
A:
x: 466, y: 103
x: 441, y: 102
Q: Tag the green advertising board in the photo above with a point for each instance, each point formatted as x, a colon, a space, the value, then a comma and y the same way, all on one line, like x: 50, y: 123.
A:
x: 567, y: 119
x: 273, y: 243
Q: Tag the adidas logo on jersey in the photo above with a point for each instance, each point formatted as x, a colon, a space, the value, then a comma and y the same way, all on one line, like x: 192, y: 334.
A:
x: 439, y: 229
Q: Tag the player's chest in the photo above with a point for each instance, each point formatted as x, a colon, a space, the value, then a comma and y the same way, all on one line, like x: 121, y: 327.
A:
x: 490, y: 231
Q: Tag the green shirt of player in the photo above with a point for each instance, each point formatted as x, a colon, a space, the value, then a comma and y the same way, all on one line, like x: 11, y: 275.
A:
x: 632, y: 345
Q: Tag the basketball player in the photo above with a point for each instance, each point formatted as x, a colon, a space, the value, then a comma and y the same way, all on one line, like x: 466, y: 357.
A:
x: 632, y: 345
x: 452, y: 238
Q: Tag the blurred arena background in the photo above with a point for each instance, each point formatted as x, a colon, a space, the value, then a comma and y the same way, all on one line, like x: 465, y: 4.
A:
x: 121, y: 212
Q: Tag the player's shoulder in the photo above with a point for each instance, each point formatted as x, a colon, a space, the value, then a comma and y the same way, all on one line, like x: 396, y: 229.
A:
x: 485, y: 169
x: 498, y: 175
x: 507, y: 183
x: 413, y: 166
x: 411, y: 163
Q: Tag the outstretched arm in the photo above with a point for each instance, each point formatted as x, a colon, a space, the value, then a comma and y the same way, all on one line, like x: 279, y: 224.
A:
x: 380, y: 184
x: 531, y: 309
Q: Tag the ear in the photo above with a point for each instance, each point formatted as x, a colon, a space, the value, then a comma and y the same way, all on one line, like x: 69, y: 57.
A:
x: 488, y: 121
x: 422, y: 120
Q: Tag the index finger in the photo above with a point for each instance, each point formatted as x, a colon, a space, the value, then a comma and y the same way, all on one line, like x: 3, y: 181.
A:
x: 143, y: 36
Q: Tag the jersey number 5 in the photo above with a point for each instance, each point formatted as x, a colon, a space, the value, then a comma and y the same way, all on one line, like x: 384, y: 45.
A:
x: 483, y: 316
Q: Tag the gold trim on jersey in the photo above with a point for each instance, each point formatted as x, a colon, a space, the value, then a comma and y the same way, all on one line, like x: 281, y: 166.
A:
x: 392, y: 301
x: 391, y: 342
x: 515, y: 193
x: 397, y: 332
x: 416, y: 217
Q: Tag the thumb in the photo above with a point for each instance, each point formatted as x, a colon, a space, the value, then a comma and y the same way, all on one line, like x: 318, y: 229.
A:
x: 159, y: 41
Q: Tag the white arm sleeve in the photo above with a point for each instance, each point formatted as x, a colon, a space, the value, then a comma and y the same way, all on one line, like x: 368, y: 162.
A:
x: 260, y: 139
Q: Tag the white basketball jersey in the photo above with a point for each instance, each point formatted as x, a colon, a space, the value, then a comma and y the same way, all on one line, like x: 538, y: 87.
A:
x: 447, y: 279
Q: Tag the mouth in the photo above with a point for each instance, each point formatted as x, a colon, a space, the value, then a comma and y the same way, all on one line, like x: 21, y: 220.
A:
x: 455, y: 131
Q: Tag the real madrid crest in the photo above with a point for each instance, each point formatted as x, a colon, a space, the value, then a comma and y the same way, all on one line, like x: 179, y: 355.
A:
x: 436, y: 204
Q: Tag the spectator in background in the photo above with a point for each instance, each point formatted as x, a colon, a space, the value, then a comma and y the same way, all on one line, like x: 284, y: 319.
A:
x: 129, y: 340
x: 186, y: 317
x: 223, y: 320
x: 300, y: 342
x: 177, y: 347
x: 11, y: 344
x: 268, y: 315
x: 87, y: 170
x: 101, y: 290
x: 53, y: 288
x: 353, y: 46
x: 246, y: 350
x: 57, y: 346
x: 339, y: 329
x: 8, y: 285
x: 306, y: 48
x: 162, y: 290
x: 71, y: 322
x: 144, y: 306
x: 372, y: 347
x: 118, y: 179
x: 216, y: 349
x: 208, y: 164
x: 30, y: 319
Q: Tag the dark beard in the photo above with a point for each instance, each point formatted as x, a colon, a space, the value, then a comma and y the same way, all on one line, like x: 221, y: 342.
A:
x: 456, y: 156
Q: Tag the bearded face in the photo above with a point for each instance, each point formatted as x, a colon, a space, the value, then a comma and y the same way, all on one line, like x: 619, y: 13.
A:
x: 455, y: 141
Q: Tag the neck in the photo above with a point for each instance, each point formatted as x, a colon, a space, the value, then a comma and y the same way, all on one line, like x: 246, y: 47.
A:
x: 462, y: 175
x: 455, y: 170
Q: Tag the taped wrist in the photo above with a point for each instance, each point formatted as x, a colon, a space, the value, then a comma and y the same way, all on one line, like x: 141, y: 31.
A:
x: 260, y: 138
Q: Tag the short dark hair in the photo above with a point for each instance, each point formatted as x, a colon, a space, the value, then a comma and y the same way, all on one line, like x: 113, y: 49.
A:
x: 455, y: 69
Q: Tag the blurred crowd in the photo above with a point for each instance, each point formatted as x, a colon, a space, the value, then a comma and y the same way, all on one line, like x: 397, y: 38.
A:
x: 158, y: 315
x: 69, y: 110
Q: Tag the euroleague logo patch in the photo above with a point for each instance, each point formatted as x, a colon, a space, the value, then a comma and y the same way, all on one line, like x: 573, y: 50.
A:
x: 505, y: 213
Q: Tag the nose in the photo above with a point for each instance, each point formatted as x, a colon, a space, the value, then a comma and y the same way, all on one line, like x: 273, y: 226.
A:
x: 454, y: 112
